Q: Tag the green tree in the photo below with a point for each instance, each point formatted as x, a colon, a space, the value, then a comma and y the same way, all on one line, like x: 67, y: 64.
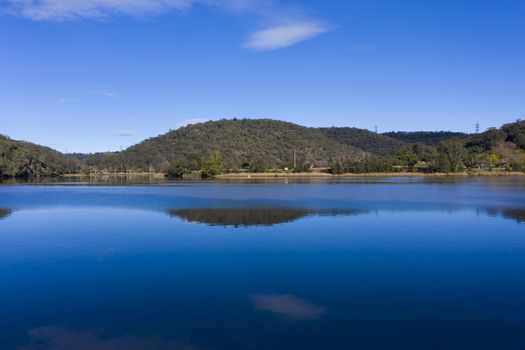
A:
x: 407, y: 157
x: 193, y: 162
x: 176, y: 170
x: 258, y: 166
x: 212, y: 166
x: 302, y: 166
x: 454, y: 153
x: 337, y: 167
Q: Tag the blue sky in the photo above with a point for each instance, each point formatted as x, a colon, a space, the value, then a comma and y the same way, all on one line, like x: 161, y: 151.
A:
x: 98, y: 75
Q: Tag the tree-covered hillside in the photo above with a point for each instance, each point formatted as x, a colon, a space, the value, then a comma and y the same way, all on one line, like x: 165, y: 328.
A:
x: 27, y: 160
x: 426, y: 137
x: 241, y: 143
x: 366, y: 140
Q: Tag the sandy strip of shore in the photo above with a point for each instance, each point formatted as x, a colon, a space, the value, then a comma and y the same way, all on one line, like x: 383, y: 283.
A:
x: 352, y: 175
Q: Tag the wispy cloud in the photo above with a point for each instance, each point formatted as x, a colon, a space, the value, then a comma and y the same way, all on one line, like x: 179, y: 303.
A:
x: 282, y: 36
x: 289, y: 306
x: 283, y: 26
x: 102, y: 92
x: 65, y: 10
x: 124, y: 133
x: 109, y: 94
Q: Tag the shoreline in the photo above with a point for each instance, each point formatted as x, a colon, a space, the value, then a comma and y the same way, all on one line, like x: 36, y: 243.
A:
x: 269, y: 176
x: 154, y: 175
x: 319, y: 175
x: 363, y: 175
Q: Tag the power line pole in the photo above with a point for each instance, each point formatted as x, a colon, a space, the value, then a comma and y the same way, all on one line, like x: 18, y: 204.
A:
x: 477, y: 128
x: 375, y: 129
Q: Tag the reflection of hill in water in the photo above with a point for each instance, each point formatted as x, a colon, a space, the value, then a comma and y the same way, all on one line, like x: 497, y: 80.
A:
x: 237, y: 217
x: 5, y: 212
x: 517, y: 214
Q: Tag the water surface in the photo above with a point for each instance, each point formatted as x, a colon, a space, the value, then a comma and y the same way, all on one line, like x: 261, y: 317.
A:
x: 283, y: 264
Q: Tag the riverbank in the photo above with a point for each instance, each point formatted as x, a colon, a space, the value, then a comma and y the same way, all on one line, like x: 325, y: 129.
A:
x: 365, y: 175
x: 79, y: 175
x: 319, y: 175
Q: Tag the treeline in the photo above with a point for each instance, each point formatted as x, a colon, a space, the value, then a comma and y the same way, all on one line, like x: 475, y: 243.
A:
x: 426, y: 137
x: 194, y: 165
x: 449, y: 156
x: 502, y: 149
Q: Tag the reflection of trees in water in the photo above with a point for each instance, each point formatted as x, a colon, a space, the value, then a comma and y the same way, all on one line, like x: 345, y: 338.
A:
x: 262, y: 216
x: 268, y: 216
x: 239, y: 216
x: 4, y: 212
x: 517, y: 214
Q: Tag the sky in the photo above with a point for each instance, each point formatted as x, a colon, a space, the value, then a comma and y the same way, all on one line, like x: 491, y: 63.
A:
x: 101, y: 75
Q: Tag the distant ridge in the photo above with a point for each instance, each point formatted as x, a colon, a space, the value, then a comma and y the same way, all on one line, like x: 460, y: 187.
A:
x: 365, y: 140
x: 426, y: 137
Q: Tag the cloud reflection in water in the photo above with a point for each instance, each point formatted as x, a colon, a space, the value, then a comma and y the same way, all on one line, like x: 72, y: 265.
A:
x: 57, y: 338
x: 288, y: 306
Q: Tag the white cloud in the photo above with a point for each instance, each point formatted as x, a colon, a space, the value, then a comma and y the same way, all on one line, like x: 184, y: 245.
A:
x: 289, y: 25
x: 124, y: 133
x: 282, y: 36
x: 63, y: 10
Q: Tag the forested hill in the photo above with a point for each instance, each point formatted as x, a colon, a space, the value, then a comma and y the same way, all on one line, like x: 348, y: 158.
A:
x: 24, y: 159
x: 260, y: 143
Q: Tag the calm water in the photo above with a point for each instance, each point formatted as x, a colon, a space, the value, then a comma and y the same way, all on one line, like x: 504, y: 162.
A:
x: 348, y: 264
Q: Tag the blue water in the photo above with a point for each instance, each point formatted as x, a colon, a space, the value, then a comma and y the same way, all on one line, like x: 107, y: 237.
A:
x: 313, y: 264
